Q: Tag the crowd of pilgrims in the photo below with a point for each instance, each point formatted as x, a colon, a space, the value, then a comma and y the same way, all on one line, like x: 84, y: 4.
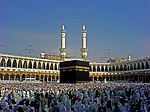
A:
x: 83, y: 97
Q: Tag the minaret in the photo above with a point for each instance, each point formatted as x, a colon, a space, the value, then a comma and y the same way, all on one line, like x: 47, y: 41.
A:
x: 63, y: 42
x: 84, y: 48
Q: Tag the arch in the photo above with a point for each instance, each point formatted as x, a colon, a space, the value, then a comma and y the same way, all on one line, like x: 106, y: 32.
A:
x: 20, y: 64
x: 34, y: 65
x: 9, y: 63
x: 43, y: 66
x: 100, y: 79
x: 146, y: 65
x: 55, y: 67
x: 131, y: 67
x: 51, y: 66
x: 49, y: 78
x: 107, y: 78
x: 30, y: 65
x: 18, y: 77
x: 95, y: 78
x: 37, y: 77
x: 6, y: 77
x: 110, y: 68
x: 45, y: 78
x: 94, y: 69
x: 12, y: 77
x: 1, y: 76
x: 125, y: 67
x: 128, y: 68
x: 142, y: 65
x: 23, y: 77
x: 25, y: 64
x: 117, y: 68
x: 102, y: 68
x: 98, y: 68
x: 138, y: 66
x: 47, y: 66
x: 39, y: 65
x: 42, y: 78
x: 106, y: 68
x: 113, y: 68
x: 121, y: 68
x: 14, y: 63
x: 135, y: 66
x: 3, y: 62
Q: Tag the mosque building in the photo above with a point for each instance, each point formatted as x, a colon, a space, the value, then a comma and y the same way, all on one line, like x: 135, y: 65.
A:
x: 46, y: 67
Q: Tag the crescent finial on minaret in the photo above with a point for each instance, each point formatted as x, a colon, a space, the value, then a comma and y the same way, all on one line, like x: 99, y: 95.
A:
x: 83, y: 27
x: 62, y: 27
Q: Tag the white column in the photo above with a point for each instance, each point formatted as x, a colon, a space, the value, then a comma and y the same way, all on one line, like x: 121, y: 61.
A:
x: 3, y: 77
x: 22, y: 61
x: 32, y: 63
x: 12, y: 62
x: 20, y: 77
x: 14, y: 77
x: 39, y: 77
x: 55, y: 79
x: 96, y: 68
x: 9, y: 77
x: 51, y: 78
x: 47, y: 78
x: 92, y: 68
x: 93, y: 78
x: 17, y: 61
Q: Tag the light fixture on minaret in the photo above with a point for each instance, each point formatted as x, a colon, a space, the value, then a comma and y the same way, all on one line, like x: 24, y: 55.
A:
x: 63, y: 42
x: 84, y: 49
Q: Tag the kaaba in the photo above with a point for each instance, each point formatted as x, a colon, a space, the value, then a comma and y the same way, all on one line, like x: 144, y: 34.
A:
x: 74, y: 71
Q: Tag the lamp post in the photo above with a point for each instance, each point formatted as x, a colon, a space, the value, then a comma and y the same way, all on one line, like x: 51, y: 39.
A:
x: 29, y: 49
x: 109, y: 56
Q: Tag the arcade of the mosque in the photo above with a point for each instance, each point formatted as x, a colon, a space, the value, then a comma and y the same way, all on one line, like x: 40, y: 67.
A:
x: 46, y: 67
